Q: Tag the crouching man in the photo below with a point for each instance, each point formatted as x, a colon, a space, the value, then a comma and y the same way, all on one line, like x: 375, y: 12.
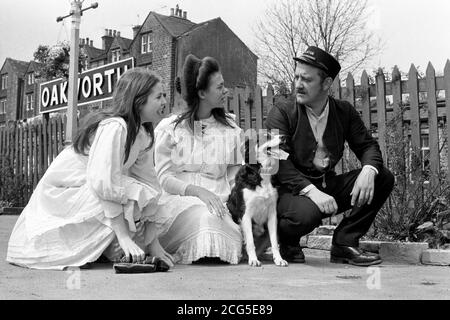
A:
x: 317, y: 126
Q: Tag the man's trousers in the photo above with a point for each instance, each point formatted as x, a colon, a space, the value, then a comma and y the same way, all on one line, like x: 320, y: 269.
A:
x: 298, y: 215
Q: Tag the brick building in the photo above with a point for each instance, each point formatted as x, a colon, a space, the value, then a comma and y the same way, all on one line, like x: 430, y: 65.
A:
x: 161, y: 44
x: 19, y: 92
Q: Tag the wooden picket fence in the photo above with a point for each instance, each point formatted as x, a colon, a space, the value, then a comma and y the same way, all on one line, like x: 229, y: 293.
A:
x: 30, y: 148
x: 378, y: 103
x: 26, y: 151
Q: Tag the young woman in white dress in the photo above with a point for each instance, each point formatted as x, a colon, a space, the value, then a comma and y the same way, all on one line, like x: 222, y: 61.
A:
x: 99, y: 196
x: 196, y: 159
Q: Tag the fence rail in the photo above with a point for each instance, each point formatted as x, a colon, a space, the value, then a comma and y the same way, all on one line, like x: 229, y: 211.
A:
x: 422, y: 105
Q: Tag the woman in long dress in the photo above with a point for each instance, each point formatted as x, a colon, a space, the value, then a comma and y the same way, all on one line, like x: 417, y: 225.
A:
x: 99, y: 196
x: 196, y: 158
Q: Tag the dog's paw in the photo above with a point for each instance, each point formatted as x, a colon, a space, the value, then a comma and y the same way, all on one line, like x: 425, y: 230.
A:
x: 254, y: 263
x: 280, y: 262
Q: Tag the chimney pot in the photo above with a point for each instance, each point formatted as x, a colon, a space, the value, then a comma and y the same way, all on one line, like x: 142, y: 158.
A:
x: 87, y: 41
x: 110, y: 33
x: 106, y: 32
x: 184, y: 14
x: 118, y: 33
x: 92, y: 43
x: 172, y: 11
x: 114, y: 33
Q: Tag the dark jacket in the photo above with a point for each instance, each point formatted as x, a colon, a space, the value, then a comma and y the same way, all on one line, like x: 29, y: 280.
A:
x: 344, y: 124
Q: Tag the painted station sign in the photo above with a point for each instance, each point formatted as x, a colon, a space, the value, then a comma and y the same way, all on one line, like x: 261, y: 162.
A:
x: 94, y: 85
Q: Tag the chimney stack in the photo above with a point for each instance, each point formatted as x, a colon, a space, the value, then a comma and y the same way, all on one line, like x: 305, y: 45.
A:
x: 92, y: 43
x: 135, y: 31
x: 110, y: 32
x: 185, y: 15
x: 114, y: 33
x: 118, y: 33
x: 107, y: 39
x: 172, y: 12
x: 87, y: 41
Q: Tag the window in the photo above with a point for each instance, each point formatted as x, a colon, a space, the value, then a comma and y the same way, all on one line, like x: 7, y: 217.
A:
x: 3, y: 106
x: 84, y: 65
x: 115, y: 55
x: 30, y: 78
x: 30, y: 102
x: 147, y: 43
x: 4, y: 81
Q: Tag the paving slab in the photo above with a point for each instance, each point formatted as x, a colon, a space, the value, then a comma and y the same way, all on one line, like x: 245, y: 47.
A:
x: 316, y: 279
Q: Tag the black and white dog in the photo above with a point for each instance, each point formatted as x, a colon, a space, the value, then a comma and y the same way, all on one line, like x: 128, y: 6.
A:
x: 253, y: 199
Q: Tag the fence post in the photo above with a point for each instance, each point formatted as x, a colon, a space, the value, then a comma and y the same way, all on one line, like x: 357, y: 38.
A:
x: 55, y: 138
x: 350, y: 89
x: 35, y: 155
x: 21, y: 161
x: 39, y: 148
x: 258, y: 104
x: 30, y: 159
x: 269, y: 98
x: 365, y: 100
x: 433, y: 127
x: 398, y: 114
x: 381, y: 112
x: 25, y: 160
x: 416, y: 146
x: 336, y: 88
x: 398, y: 165
x: 447, y: 106
x: 336, y: 93
x: 16, y: 155
x: 45, y: 143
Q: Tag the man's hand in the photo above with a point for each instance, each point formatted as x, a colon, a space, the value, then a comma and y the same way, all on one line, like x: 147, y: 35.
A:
x: 325, y: 202
x: 364, y: 187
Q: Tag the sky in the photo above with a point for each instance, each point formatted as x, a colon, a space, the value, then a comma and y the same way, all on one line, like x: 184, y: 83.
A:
x: 413, y: 31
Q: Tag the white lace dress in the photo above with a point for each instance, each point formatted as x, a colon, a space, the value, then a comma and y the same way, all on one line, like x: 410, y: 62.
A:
x: 67, y: 222
x: 206, y: 159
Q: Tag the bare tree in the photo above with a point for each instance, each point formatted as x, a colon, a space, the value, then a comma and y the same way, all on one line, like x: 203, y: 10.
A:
x: 288, y: 27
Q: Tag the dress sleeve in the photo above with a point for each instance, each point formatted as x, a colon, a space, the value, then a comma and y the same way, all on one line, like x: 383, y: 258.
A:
x: 164, y: 165
x: 106, y: 156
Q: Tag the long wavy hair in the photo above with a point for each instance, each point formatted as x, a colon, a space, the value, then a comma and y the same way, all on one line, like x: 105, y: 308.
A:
x: 130, y: 95
x: 197, y: 76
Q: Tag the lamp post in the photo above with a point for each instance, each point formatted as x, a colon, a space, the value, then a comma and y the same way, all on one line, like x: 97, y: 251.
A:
x: 72, y: 99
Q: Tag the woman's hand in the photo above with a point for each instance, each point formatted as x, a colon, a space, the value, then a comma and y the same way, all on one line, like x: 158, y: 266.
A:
x: 129, y: 247
x: 131, y: 250
x: 211, y: 200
